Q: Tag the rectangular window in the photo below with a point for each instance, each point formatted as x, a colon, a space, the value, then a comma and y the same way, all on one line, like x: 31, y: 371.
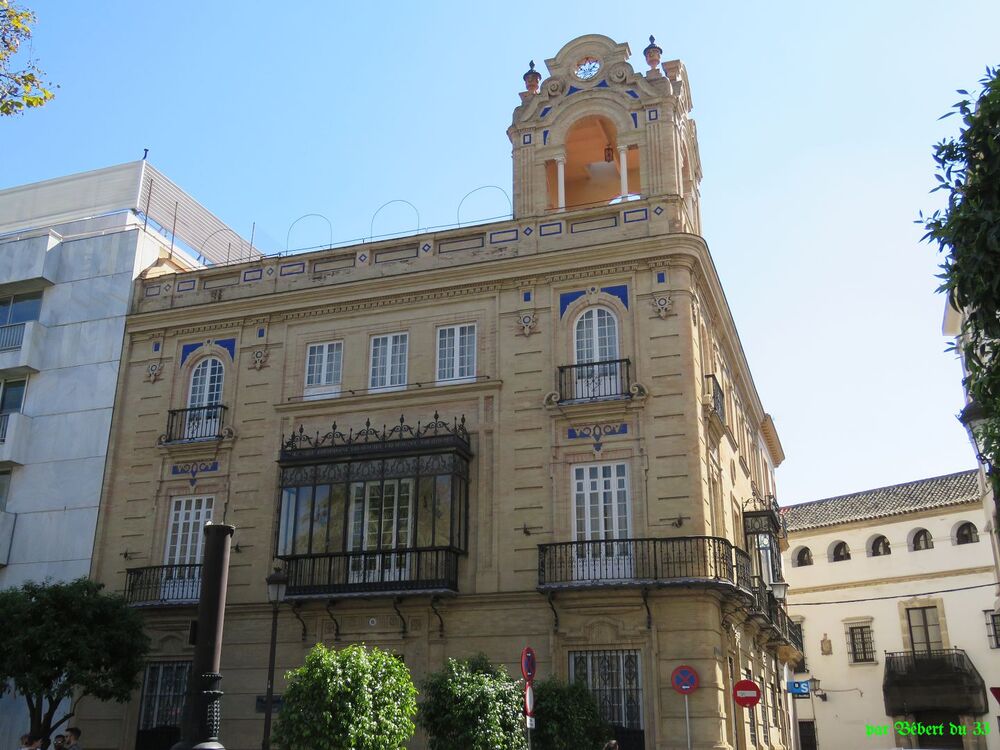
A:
x: 601, y: 501
x: 324, y: 364
x: 751, y: 714
x: 614, y: 679
x: 456, y: 353
x: 800, y: 666
x: 807, y: 735
x: 993, y: 627
x: 764, y: 725
x: 925, y: 629
x: 11, y: 396
x: 21, y: 308
x: 163, y: 691
x: 861, y: 643
x: 388, y: 362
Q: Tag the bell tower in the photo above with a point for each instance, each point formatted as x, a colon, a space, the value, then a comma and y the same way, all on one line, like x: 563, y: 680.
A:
x: 595, y: 133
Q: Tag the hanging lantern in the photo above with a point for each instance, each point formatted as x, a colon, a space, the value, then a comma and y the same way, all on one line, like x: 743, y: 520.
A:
x: 609, y: 153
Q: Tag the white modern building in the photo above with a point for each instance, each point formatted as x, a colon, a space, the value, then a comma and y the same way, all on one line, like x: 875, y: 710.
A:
x: 70, y: 249
x: 894, y: 589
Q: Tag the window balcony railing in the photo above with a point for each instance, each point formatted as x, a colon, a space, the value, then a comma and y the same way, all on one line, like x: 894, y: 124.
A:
x: 637, y: 562
x: 595, y: 381
x: 715, y: 399
x: 11, y: 336
x: 795, y: 633
x: 197, y: 423
x: 400, y: 571
x: 938, y: 679
x: 161, y: 585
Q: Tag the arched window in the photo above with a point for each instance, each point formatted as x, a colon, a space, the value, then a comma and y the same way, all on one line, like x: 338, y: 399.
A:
x: 841, y: 552
x: 967, y: 534
x: 922, y: 540
x: 203, y: 418
x: 803, y: 558
x: 880, y: 547
x: 598, y: 371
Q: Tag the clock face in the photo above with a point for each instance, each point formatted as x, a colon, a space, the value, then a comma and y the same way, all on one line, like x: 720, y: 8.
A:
x: 587, y: 68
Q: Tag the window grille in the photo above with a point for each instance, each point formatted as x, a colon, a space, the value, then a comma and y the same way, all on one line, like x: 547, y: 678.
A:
x: 163, y: 694
x: 861, y: 642
x: 614, y: 679
x: 993, y: 627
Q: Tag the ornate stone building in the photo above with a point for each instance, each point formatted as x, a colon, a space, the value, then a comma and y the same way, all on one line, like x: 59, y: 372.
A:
x: 540, y: 432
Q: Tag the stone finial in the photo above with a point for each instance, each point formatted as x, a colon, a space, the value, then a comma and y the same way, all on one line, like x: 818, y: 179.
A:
x: 652, y: 53
x: 532, y: 78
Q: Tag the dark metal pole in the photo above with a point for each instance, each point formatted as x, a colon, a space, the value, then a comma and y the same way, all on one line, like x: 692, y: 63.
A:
x: 201, y: 725
x: 265, y: 743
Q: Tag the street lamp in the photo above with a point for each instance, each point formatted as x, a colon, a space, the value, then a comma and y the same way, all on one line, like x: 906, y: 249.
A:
x: 814, y: 688
x: 277, y: 582
x: 779, y: 589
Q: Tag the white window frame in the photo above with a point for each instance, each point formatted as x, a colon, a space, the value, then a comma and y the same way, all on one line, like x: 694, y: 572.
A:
x: 450, y: 371
x: 394, y: 341
x: 330, y: 375
x: 184, y: 546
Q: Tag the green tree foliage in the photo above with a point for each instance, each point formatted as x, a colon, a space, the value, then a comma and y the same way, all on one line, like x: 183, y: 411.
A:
x: 352, y: 699
x: 567, y: 718
x: 62, y: 640
x: 20, y: 87
x: 968, y: 233
x: 473, y: 705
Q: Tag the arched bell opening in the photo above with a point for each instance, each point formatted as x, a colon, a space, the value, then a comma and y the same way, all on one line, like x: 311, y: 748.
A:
x: 596, y: 170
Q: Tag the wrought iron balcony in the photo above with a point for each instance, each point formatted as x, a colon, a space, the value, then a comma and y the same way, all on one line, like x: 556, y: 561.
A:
x: 714, y: 398
x: 638, y: 562
x: 197, y: 423
x: 401, y: 571
x: 11, y: 336
x: 162, y: 585
x: 795, y: 634
x: 595, y: 381
x: 935, y: 680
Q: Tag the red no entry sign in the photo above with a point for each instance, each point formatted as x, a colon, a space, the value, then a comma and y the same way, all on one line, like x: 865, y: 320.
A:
x: 746, y: 693
x: 684, y: 679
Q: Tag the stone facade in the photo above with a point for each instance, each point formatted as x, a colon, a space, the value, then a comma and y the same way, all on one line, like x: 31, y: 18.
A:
x: 576, y: 368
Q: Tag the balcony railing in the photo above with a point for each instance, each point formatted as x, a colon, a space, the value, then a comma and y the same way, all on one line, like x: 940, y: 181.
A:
x: 11, y: 336
x: 358, y: 573
x: 636, y: 562
x: 939, y: 679
x: 162, y: 585
x: 595, y: 381
x: 198, y: 423
x: 795, y: 633
x: 715, y: 397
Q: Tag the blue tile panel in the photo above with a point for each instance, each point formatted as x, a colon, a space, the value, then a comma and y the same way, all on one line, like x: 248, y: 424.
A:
x: 635, y: 120
x: 661, y: 277
x: 260, y: 333
x: 636, y: 214
x: 526, y: 296
x: 544, y: 112
x: 156, y: 346
x: 505, y: 235
x: 186, y: 286
x: 568, y: 298
x: 229, y: 345
x: 291, y: 269
x: 571, y: 90
x: 188, y: 349
x: 254, y: 274
x: 551, y: 228
x: 632, y: 93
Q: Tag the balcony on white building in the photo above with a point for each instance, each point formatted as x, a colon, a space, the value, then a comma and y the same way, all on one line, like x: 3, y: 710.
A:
x: 21, y: 348
x: 14, y: 434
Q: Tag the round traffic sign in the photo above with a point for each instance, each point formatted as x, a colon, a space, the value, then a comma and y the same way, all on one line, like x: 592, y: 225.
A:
x: 529, y: 701
x: 684, y: 679
x: 528, y: 663
x: 746, y: 693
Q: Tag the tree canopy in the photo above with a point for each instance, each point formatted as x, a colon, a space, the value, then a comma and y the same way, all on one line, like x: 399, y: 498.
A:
x: 352, y: 699
x: 473, y: 705
x: 68, y: 639
x: 967, y: 231
x: 567, y: 717
x: 21, y: 84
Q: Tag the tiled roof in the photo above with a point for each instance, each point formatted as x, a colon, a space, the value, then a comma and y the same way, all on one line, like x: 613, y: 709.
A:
x: 936, y: 492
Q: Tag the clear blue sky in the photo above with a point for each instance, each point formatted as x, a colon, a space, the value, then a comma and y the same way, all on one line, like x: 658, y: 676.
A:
x: 815, y: 121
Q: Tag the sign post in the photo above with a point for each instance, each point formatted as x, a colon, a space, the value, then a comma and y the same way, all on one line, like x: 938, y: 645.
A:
x: 528, y: 666
x: 684, y: 680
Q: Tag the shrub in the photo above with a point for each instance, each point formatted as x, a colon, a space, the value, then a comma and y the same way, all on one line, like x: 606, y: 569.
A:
x: 352, y: 699
x: 567, y: 718
x: 473, y: 705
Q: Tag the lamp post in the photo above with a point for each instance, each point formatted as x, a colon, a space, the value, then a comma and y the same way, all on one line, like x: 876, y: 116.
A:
x: 277, y: 582
x: 814, y: 688
x: 779, y: 589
